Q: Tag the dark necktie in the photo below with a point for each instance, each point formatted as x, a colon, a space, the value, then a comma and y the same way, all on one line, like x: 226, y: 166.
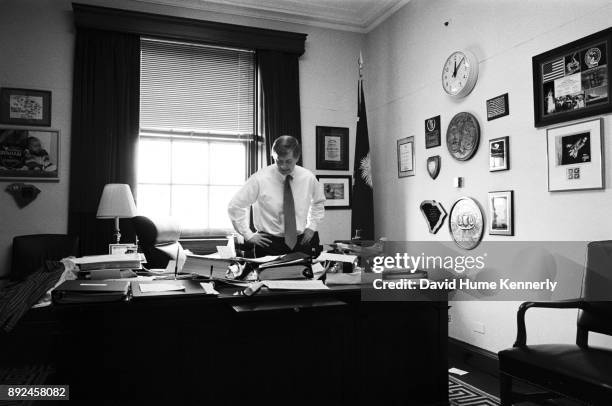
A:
x: 289, y: 211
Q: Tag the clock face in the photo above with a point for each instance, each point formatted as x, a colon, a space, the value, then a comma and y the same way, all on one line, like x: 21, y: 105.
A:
x: 459, y: 74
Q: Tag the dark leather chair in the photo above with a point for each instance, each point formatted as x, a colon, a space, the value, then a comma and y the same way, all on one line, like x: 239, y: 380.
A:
x: 31, y: 251
x: 575, y: 371
x: 156, y: 238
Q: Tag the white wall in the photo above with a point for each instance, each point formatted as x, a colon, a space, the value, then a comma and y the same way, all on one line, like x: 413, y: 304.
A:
x: 37, y: 52
x: 404, y: 58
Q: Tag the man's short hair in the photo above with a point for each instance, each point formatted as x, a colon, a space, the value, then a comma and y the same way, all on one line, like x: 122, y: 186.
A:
x: 285, y: 144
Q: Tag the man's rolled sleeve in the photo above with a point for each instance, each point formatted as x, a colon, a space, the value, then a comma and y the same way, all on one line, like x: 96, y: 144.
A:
x: 238, y: 208
x: 317, y: 206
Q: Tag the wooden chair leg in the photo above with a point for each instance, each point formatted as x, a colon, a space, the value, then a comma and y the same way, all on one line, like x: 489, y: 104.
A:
x: 505, y: 389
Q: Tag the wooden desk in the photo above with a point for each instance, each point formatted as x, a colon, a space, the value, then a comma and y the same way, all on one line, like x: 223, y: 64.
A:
x: 315, y: 348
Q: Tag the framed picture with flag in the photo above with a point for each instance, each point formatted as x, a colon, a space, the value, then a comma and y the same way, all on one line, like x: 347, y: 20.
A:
x: 572, y: 81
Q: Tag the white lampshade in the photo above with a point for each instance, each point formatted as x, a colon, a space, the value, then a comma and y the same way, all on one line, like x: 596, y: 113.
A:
x: 116, y: 202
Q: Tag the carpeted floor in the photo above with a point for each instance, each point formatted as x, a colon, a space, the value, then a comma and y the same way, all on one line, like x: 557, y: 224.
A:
x: 463, y: 394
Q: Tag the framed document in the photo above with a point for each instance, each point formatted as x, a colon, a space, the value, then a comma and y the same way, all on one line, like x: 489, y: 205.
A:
x: 332, y: 148
x: 405, y: 157
x: 573, y: 81
x: 575, y: 156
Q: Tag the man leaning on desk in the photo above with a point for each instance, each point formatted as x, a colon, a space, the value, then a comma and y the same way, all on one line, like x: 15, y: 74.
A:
x: 287, y: 204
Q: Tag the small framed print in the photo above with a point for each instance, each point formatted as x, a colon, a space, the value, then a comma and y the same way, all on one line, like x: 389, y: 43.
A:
x: 337, y: 190
x: 432, y: 132
x: 25, y: 107
x: 405, y: 157
x: 122, y: 248
x: 332, y: 148
x: 29, y: 154
x: 499, y: 154
x: 572, y: 81
x: 497, y: 107
x: 575, y: 156
x: 501, y: 213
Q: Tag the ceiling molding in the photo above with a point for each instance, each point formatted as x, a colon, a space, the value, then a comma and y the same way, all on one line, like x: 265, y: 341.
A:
x: 325, y: 15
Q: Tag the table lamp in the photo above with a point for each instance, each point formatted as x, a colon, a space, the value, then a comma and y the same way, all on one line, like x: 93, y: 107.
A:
x: 116, y: 202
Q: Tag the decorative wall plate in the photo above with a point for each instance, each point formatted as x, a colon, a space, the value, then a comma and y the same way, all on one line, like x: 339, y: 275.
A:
x: 463, y: 136
x: 434, y: 214
x: 433, y: 166
x: 466, y: 223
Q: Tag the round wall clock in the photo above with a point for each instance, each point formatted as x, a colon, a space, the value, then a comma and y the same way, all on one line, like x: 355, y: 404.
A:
x: 463, y: 136
x: 460, y: 73
x: 466, y: 223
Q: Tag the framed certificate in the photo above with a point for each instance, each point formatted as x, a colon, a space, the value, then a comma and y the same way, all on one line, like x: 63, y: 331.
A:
x: 405, y: 157
x: 332, y: 148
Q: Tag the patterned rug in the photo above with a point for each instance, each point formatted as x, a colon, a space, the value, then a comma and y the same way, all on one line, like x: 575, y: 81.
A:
x: 463, y: 394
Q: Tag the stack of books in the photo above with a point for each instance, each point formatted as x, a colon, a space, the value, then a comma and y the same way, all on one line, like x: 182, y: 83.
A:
x: 114, y: 261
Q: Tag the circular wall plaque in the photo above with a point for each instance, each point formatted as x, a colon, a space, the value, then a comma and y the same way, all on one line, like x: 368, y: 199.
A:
x: 463, y: 136
x: 466, y: 223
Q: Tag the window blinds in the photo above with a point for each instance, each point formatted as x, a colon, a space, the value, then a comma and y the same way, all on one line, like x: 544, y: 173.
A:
x: 192, y: 87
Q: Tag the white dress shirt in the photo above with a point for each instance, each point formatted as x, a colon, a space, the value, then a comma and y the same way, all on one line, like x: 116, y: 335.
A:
x: 264, y: 190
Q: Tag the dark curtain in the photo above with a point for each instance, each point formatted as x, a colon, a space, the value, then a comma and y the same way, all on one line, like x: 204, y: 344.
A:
x: 105, y: 120
x: 280, y: 96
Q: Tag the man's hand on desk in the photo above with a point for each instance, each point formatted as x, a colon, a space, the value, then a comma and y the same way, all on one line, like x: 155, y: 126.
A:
x: 307, y: 236
x: 260, y: 240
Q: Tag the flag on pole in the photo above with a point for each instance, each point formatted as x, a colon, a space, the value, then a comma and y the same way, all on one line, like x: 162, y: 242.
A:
x: 362, y: 217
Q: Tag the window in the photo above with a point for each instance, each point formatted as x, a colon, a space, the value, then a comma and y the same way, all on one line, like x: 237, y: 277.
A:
x: 196, y: 131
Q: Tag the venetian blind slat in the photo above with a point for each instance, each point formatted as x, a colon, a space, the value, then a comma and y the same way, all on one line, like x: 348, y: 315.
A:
x: 196, y: 88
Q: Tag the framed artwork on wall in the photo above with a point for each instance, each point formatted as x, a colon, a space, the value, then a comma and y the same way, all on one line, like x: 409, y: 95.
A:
x: 337, y: 190
x: 332, y: 148
x: 405, y: 157
x: 572, y: 81
x: 499, y: 154
x: 25, y: 107
x: 575, y: 156
x: 29, y: 154
x: 501, y: 213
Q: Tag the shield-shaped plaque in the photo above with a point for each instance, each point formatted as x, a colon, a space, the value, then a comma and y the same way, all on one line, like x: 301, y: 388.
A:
x: 433, y: 166
x: 434, y: 214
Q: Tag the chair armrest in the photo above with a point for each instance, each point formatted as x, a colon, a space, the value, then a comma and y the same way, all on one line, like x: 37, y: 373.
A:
x: 521, y: 332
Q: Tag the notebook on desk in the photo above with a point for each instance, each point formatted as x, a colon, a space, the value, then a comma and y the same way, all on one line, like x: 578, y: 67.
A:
x: 88, y: 291
x: 183, y: 288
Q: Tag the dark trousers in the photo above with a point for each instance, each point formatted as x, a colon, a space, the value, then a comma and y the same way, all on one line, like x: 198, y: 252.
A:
x: 278, y: 246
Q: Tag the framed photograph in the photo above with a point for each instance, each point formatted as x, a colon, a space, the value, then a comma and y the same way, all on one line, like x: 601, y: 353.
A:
x: 332, y: 148
x: 575, y: 156
x: 499, y: 154
x: 122, y: 248
x: 432, y: 132
x: 501, y: 213
x: 29, y: 154
x: 405, y: 157
x: 25, y: 107
x: 572, y: 81
x: 337, y: 191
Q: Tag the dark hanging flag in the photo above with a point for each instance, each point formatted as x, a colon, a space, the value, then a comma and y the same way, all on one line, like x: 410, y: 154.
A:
x: 363, y: 207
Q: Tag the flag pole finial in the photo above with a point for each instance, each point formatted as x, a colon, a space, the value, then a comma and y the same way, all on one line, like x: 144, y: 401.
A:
x: 360, y: 63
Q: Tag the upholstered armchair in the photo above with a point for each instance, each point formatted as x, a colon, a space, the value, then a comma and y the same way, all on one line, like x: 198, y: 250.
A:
x: 31, y: 251
x: 576, y: 371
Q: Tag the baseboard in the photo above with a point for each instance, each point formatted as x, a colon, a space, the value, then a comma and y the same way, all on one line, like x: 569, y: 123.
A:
x: 479, y: 358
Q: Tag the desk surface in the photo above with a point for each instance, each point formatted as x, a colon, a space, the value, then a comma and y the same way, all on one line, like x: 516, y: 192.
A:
x: 335, y: 350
